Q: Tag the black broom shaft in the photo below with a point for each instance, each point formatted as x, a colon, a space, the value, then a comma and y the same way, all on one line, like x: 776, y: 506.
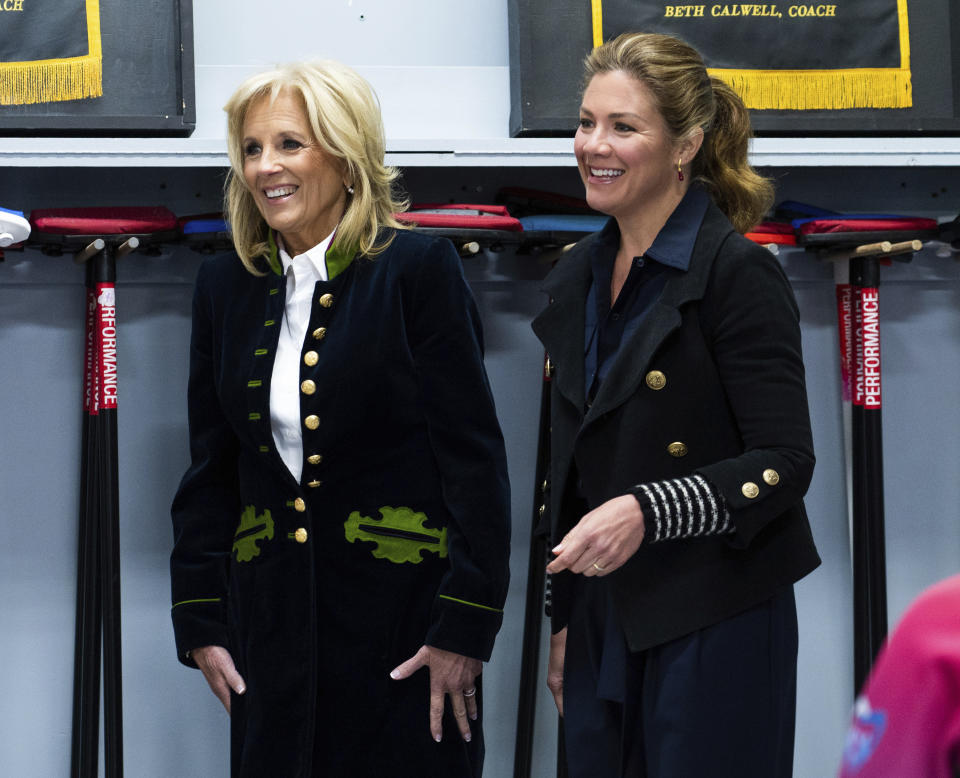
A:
x: 94, y: 644
x: 110, y: 581
x: 869, y: 553
x: 533, y: 613
x: 110, y: 564
x: 873, y: 490
x: 561, y: 749
x: 875, y: 529
x: 861, y: 547
x: 79, y: 640
x: 862, y: 640
x: 86, y: 690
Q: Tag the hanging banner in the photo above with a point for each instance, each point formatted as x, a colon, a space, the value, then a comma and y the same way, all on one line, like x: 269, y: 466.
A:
x: 49, y: 51
x: 791, y: 55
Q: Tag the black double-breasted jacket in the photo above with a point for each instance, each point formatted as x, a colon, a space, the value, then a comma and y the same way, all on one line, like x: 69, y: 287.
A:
x: 716, y: 366
x: 397, y: 533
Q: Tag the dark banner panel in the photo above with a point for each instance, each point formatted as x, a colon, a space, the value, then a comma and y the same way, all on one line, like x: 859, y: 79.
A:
x: 882, y: 67
x: 96, y: 67
x: 49, y: 51
x: 800, y: 56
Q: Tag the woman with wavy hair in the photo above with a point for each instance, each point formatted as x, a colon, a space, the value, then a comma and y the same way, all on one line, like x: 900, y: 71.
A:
x: 680, y: 438
x: 342, y: 532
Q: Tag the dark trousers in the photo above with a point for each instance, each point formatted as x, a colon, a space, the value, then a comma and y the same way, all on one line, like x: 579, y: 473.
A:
x: 718, y: 702
x: 364, y: 737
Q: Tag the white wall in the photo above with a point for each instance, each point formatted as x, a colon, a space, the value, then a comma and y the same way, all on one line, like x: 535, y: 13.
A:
x: 440, y: 69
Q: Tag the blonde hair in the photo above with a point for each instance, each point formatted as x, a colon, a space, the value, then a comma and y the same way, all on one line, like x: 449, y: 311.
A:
x: 344, y: 116
x: 688, y: 98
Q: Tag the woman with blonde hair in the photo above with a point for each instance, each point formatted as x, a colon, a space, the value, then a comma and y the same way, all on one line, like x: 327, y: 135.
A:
x: 680, y: 438
x: 342, y: 533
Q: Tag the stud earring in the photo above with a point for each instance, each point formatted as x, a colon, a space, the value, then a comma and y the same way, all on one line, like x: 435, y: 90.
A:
x: 680, y: 169
x: 349, y: 189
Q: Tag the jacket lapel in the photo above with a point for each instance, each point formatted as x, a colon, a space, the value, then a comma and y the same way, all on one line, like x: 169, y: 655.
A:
x: 560, y: 326
x: 664, y: 317
x: 628, y: 369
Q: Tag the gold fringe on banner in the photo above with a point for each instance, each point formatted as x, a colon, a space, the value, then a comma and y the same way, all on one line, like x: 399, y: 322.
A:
x: 809, y: 90
x: 47, y: 81
x: 51, y: 80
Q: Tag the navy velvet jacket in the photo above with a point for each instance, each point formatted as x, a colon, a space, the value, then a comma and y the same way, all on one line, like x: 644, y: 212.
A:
x: 398, y: 532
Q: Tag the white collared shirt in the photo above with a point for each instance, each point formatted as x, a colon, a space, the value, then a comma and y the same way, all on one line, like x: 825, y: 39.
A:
x: 302, y: 272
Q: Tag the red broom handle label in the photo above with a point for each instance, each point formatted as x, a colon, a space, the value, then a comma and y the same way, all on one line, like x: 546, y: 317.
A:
x: 90, y: 334
x: 845, y: 329
x: 870, y: 307
x: 106, y: 296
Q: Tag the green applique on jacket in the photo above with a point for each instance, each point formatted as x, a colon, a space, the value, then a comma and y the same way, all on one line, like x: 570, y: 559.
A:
x: 252, y: 529
x: 400, y: 535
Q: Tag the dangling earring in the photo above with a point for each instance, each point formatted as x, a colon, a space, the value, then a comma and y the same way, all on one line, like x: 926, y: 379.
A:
x: 680, y: 169
x: 349, y: 189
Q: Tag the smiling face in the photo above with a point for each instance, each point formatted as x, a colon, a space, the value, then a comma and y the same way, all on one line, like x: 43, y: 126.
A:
x: 298, y: 188
x: 625, y: 154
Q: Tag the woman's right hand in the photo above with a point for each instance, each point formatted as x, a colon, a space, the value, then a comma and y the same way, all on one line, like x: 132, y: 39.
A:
x: 558, y: 650
x: 217, y: 666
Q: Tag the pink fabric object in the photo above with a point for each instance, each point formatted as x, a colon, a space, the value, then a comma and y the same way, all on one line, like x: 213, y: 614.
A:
x: 906, y: 721
x: 847, y: 224
x: 461, y: 216
x: 121, y: 220
x: 781, y: 233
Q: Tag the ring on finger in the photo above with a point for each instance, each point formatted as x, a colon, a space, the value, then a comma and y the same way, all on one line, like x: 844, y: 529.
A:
x: 598, y: 567
x: 470, y: 692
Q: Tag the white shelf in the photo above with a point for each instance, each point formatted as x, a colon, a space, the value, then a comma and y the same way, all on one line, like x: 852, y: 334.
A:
x: 856, y: 152
x: 112, y: 152
x: 493, y: 152
x: 211, y: 152
x: 490, y: 152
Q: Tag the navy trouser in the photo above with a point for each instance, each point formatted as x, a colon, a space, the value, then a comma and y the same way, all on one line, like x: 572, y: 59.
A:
x: 718, y: 702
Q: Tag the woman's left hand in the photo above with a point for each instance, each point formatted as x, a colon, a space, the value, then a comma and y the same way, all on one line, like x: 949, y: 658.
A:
x: 453, y: 674
x: 602, y: 540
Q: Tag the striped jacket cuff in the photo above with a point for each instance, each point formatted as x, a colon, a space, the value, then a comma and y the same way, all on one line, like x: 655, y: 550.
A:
x: 682, y: 508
